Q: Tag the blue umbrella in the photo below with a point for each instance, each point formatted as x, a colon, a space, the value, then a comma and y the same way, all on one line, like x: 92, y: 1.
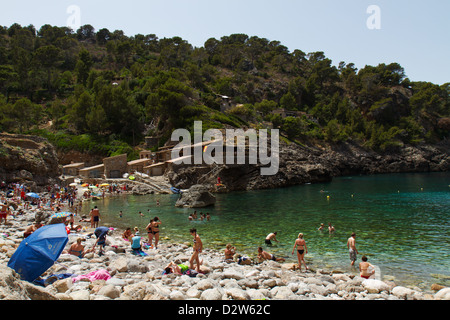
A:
x: 39, y: 251
x: 32, y: 195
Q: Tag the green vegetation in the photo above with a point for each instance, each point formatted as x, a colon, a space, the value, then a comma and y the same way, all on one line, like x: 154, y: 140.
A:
x: 103, y: 92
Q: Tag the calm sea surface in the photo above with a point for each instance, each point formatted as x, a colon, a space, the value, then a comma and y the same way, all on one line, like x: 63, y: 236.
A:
x: 402, y: 222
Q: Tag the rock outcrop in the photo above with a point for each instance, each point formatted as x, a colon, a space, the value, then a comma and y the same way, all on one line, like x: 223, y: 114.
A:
x: 198, y: 196
x: 26, y: 158
x: 311, y: 164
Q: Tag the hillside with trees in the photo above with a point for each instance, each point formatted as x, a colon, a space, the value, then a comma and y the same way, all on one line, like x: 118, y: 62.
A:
x: 100, y: 91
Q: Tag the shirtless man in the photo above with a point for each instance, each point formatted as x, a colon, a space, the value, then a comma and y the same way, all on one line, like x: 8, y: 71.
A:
x: 28, y: 231
x: 271, y: 236
x: 95, y: 216
x: 263, y: 255
x: 364, y: 268
x: 351, y: 245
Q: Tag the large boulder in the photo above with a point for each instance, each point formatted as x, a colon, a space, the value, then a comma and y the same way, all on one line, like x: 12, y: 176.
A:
x: 197, y: 196
x: 28, y: 159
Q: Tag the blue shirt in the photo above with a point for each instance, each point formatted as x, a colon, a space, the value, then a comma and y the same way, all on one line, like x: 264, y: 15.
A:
x: 136, y: 242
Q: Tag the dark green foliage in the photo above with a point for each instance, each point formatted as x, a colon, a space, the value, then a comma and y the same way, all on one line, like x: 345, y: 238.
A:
x: 104, y: 91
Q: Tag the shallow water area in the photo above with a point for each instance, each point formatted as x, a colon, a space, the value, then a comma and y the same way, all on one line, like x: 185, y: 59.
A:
x: 401, y: 222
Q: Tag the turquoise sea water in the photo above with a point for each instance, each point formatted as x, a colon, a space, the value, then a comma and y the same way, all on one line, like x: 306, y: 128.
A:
x: 402, y: 222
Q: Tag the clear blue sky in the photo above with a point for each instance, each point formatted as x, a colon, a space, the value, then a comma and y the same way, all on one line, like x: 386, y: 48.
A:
x: 416, y: 34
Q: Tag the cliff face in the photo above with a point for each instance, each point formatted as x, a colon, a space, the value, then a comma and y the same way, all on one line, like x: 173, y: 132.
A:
x: 26, y: 158
x: 299, y: 165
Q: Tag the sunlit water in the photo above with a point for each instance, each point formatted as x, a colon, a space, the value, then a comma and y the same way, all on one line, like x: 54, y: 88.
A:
x: 401, y: 222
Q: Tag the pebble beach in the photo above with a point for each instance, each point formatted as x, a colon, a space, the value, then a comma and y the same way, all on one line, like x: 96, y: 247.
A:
x: 118, y: 274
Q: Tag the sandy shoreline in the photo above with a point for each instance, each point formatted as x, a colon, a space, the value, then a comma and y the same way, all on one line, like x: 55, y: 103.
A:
x: 130, y: 277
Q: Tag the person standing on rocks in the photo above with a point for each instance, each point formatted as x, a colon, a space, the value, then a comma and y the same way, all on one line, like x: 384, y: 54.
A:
x: 300, y: 244
x: 198, y: 246
x: 4, y: 210
x: 95, y: 217
x: 150, y: 233
x: 155, y: 230
x: 351, y: 245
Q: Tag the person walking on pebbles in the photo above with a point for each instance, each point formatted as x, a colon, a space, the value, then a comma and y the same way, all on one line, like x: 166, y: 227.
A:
x: 300, y: 244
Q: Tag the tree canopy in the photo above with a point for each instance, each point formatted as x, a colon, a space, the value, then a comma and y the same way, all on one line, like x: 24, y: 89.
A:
x: 114, y: 87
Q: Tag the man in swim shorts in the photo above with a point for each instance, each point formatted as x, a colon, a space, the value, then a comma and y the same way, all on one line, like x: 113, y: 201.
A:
x: 351, y: 245
x: 263, y: 255
x: 271, y: 236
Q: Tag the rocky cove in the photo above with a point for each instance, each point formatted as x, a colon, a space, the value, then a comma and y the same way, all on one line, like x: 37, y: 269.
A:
x: 34, y: 161
x: 129, y: 277
x: 120, y: 275
x: 300, y: 164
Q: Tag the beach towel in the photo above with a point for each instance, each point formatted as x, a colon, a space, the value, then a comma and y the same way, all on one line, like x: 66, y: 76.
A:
x: 101, y: 274
x: 139, y: 252
x: 50, y: 279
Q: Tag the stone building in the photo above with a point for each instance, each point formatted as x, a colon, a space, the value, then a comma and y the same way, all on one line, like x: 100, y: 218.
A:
x: 115, y: 167
x: 92, y: 172
x: 73, y: 169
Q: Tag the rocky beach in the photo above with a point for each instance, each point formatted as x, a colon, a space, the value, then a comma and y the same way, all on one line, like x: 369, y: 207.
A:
x: 118, y: 274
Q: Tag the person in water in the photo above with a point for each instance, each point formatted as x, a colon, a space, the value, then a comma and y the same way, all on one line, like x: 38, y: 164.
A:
x: 300, y: 244
x: 263, y: 255
x: 351, y: 245
x: 331, y: 228
x: 270, y: 237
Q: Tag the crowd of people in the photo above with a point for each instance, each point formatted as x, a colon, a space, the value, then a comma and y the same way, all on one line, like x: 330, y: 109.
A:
x: 58, y: 197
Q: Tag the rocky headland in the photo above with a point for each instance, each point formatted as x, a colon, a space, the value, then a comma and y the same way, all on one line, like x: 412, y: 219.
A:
x: 300, y: 164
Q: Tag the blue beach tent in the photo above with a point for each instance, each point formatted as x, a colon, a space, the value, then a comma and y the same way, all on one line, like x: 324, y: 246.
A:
x: 39, y: 251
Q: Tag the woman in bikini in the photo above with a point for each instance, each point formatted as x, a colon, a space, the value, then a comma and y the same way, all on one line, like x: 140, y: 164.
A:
x: 198, y: 246
x: 149, y: 232
x: 364, y: 268
x: 300, y: 244
x: 155, y: 230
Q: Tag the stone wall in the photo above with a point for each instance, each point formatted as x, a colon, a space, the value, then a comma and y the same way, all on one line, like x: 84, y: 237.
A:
x: 115, y: 166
